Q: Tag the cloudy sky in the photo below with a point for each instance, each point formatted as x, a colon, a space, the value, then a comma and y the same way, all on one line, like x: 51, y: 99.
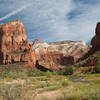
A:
x: 54, y: 20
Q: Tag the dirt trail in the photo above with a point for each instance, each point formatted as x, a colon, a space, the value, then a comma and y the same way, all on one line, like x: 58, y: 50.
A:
x: 52, y: 95
x: 13, y: 82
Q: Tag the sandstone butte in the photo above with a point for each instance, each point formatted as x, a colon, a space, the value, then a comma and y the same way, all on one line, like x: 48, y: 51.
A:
x: 15, y: 48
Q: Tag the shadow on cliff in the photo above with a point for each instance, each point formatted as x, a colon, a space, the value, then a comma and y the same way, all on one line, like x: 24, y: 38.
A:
x: 42, y: 68
x: 88, y: 54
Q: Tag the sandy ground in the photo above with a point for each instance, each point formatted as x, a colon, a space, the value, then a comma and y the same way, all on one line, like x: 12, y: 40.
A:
x: 52, y: 95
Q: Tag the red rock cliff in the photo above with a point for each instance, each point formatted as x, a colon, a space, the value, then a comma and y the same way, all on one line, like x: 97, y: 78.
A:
x: 12, y: 36
x: 14, y: 46
x: 96, y: 39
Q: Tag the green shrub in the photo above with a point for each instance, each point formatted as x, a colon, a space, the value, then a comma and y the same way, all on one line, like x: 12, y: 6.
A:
x: 30, y: 74
x: 44, y: 98
x: 48, y: 74
x: 70, y: 70
x: 66, y: 71
x: 90, y: 69
x: 95, y: 95
x: 65, y: 83
x: 98, y: 57
x: 97, y: 68
x: 35, y: 72
x: 11, y: 92
x: 55, y: 72
x: 61, y: 72
x: 12, y: 75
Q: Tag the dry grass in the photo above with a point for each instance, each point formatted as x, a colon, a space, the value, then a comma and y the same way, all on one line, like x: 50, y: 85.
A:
x: 35, y: 85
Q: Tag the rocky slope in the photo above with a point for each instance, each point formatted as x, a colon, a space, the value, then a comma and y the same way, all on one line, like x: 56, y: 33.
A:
x: 15, y: 48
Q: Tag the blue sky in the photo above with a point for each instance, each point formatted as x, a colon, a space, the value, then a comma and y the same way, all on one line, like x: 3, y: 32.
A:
x: 54, y: 20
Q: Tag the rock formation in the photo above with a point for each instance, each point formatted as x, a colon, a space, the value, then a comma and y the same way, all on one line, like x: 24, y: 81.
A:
x: 14, y: 48
x: 59, y: 53
x: 96, y: 39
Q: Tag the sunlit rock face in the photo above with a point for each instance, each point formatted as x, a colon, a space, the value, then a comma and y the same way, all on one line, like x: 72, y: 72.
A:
x: 14, y: 46
x: 12, y: 36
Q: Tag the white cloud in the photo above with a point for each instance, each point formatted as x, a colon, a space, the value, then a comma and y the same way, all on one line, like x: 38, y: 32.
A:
x: 14, y: 12
x: 84, y: 24
x: 49, y: 20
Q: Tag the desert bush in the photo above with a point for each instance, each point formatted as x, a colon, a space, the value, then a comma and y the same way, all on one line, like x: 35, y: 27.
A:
x: 90, y: 69
x: 35, y: 72
x: 70, y: 70
x: 84, y: 70
x: 98, y: 57
x: 66, y: 71
x: 15, y: 73
x: 97, y: 68
x: 50, y: 89
x: 61, y: 72
x: 12, y: 75
x: 30, y: 74
x: 11, y: 92
x: 55, y: 72
x: 80, y: 96
x: 44, y: 99
x: 5, y: 74
x: 65, y: 83
x: 48, y: 74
